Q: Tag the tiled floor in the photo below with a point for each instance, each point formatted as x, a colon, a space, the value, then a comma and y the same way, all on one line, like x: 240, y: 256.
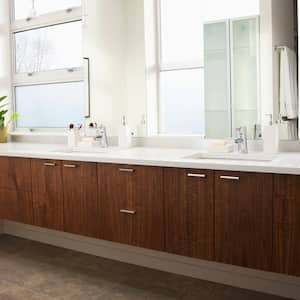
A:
x: 30, y: 270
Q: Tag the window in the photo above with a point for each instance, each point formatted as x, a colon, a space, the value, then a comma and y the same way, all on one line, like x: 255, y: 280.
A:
x: 47, y: 48
x: 48, y: 75
x: 180, y: 40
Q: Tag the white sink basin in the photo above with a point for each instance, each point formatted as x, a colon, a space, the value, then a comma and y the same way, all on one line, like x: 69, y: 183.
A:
x: 84, y: 150
x: 259, y: 156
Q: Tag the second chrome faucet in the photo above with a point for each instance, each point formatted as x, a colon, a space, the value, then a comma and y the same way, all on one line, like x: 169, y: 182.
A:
x: 241, y: 139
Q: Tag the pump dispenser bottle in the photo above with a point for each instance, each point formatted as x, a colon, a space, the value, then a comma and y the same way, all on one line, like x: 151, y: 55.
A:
x: 271, y: 136
x: 125, y: 137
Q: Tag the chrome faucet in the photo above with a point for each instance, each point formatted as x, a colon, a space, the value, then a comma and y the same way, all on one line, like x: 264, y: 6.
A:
x: 241, y: 139
x: 102, y: 136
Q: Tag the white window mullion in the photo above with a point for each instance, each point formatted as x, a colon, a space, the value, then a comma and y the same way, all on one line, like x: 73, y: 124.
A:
x: 47, y: 20
x: 65, y: 75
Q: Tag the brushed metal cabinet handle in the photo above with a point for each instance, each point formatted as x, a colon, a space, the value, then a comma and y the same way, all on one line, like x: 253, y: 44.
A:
x: 126, y: 170
x: 230, y: 177
x: 71, y: 166
x: 196, y: 175
x: 49, y: 164
x: 128, y: 212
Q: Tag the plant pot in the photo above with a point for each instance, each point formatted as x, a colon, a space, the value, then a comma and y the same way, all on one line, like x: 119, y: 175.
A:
x: 3, y: 135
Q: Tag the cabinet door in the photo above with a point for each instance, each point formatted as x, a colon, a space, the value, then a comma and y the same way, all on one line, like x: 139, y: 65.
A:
x: 286, y: 231
x: 16, y: 206
x: 131, y: 205
x: 47, y: 193
x: 15, y: 173
x: 15, y: 190
x: 81, y: 203
x: 243, y: 219
x: 189, y: 212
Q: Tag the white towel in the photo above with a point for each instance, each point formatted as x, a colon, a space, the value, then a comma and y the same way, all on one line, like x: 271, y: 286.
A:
x: 288, y: 84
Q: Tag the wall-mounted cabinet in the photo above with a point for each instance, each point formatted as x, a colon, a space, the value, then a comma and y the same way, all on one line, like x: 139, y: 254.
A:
x: 245, y: 219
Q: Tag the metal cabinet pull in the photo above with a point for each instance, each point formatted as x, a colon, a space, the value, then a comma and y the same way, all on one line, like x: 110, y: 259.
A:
x: 196, y: 175
x: 230, y: 177
x: 70, y: 166
x: 49, y: 164
x: 126, y: 170
x: 128, y: 212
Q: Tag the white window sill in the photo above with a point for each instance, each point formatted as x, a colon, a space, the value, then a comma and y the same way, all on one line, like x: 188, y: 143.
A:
x: 38, y: 133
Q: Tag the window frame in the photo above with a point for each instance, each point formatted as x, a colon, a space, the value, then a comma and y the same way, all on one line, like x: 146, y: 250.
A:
x: 168, y: 68
x: 72, y: 14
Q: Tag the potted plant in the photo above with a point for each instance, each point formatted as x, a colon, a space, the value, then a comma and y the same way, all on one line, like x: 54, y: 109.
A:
x: 3, y: 125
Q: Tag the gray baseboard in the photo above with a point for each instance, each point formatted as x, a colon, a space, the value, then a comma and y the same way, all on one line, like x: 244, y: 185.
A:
x: 271, y: 283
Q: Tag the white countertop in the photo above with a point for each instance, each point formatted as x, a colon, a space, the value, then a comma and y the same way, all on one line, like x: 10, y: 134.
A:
x: 284, y: 163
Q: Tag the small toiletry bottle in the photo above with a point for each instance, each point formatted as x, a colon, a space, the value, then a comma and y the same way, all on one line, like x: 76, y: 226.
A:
x: 125, y: 137
x: 142, y: 127
x: 73, y: 136
x: 271, y: 137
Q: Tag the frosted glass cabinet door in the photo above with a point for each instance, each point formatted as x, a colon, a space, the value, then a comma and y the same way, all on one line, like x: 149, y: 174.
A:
x: 244, y: 72
x: 217, y: 80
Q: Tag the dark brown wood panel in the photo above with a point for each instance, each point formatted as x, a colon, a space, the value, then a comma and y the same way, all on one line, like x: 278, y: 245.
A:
x: 148, y: 199
x: 286, y: 231
x: 15, y: 173
x: 243, y: 219
x: 287, y: 199
x: 286, y: 249
x: 138, y: 190
x: 81, y: 202
x: 16, y: 206
x: 189, y: 212
x: 47, y: 193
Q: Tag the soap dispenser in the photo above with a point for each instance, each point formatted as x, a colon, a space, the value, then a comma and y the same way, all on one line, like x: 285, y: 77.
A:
x: 271, y: 136
x: 125, y: 137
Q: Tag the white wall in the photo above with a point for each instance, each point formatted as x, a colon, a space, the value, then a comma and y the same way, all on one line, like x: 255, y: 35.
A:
x: 135, y: 68
x: 104, y: 44
x: 114, y: 42
x: 5, y: 80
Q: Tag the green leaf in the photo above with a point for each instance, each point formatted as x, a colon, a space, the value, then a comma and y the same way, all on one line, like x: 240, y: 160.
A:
x: 3, y: 105
x: 3, y: 112
x: 12, y: 118
x: 3, y: 98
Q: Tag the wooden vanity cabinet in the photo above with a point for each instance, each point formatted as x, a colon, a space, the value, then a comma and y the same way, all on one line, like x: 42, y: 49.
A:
x: 15, y: 190
x: 286, y: 230
x: 81, y: 201
x: 243, y: 219
x: 132, y: 208
x: 47, y: 194
x: 189, y: 212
